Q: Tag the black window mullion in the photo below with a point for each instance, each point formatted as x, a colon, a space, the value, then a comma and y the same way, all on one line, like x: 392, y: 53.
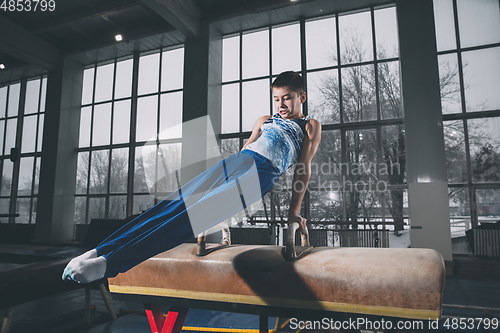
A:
x: 2, y: 148
x: 472, y: 201
x: 132, y: 140
x: 17, y: 147
x: 89, y: 166
x: 240, y: 107
x: 303, y: 70
x: 155, y: 189
x: 270, y: 41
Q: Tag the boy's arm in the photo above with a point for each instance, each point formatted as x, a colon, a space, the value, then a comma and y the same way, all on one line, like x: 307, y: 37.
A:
x: 302, y: 172
x: 256, y: 131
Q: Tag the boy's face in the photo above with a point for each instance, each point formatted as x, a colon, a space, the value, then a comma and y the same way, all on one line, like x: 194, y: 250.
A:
x: 288, y: 102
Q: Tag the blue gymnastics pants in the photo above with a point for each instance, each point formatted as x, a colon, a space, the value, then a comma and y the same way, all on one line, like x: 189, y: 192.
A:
x: 208, y: 199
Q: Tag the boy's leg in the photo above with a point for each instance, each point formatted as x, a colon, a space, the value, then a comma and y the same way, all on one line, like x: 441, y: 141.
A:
x: 171, y: 223
x: 204, y: 207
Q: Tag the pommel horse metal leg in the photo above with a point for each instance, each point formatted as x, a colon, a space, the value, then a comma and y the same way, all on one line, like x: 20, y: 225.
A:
x: 171, y: 324
x: 202, y: 250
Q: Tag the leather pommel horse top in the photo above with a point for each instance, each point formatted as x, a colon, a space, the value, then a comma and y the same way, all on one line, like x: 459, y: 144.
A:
x: 405, y: 283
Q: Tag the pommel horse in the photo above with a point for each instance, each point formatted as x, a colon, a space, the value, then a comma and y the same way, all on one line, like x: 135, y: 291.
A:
x: 285, y: 282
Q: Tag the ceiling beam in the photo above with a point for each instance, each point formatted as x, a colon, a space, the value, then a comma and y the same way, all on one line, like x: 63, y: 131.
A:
x: 104, y: 8
x: 20, y: 43
x: 183, y: 15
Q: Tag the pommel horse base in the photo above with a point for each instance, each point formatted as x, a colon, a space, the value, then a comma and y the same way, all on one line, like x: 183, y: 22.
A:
x: 256, y: 279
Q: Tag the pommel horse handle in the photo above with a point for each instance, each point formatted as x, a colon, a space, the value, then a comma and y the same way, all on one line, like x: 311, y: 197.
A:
x: 291, y: 252
x: 201, y: 248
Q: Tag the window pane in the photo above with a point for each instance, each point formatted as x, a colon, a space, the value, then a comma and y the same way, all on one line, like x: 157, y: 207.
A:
x: 362, y: 205
x: 25, y: 176
x: 99, y: 172
x: 104, y: 83
x: 230, y: 58
x: 10, y: 136
x: 97, y: 208
x: 23, y: 209
x: 4, y: 206
x: 171, y: 116
x: 326, y: 205
x: 121, y: 122
x: 323, y: 96
x: 389, y: 90
x: 479, y: 22
x: 2, y: 131
x: 123, y: 83
x: 3, y: 101
x: 117, y: 207
x: 88, y: 86
x: 230, y: 108
x: 229, y: 147
x: 482, y: 79
x: 456, y: 160
x: 358, y: 93
x: 256, y: 54
x: 286, y: 48
x: 326, y: 164
x: 449, y: 82
x: 102, y: 125
x: 29, y: 134
x: 361, y: 148
x: 361, y: 174
x: 145, y: 168
x: 355, y: 38
x: 82, y: 173
x: 44, y: 93
x: 7, y: 177
x: 80, y: 208
x: 386, y: 33
x: 34, y: 207
x: 396, y: 211
x: 169, y: 166
x: 256, y: 99
x: 40, y: 132
x: 14, y: 100
x: 484, y: 138
x: 488, y: 205
x: 147, y: 110
x: 37, y: 175
x: 172, y: 69
x: 85, y: 120
x: 119, y: 171
x: 142, y: 203
x: 32, y: 94
x: 459, y: 211
x: 445, y: 25
x: 149, y: 67
x: 392, y: 170
x: 321, y: 44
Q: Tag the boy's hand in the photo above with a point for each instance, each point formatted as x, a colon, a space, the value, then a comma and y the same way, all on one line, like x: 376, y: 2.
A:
x: 292, y: 217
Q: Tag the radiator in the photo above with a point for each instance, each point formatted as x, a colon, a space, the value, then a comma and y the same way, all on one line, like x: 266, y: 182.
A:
x: 487, y: 242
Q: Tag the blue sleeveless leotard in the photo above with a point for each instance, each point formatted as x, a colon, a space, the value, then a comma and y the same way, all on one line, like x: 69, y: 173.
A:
x: 281, y: 141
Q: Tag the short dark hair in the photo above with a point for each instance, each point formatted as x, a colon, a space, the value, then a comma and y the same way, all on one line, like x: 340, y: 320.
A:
x: 291, y: 80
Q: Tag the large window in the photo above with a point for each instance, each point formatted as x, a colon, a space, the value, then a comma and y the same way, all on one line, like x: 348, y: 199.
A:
x: 469, y: 66
x: 129, y: 136
x: 350, y: 63
x: 22, y: 109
